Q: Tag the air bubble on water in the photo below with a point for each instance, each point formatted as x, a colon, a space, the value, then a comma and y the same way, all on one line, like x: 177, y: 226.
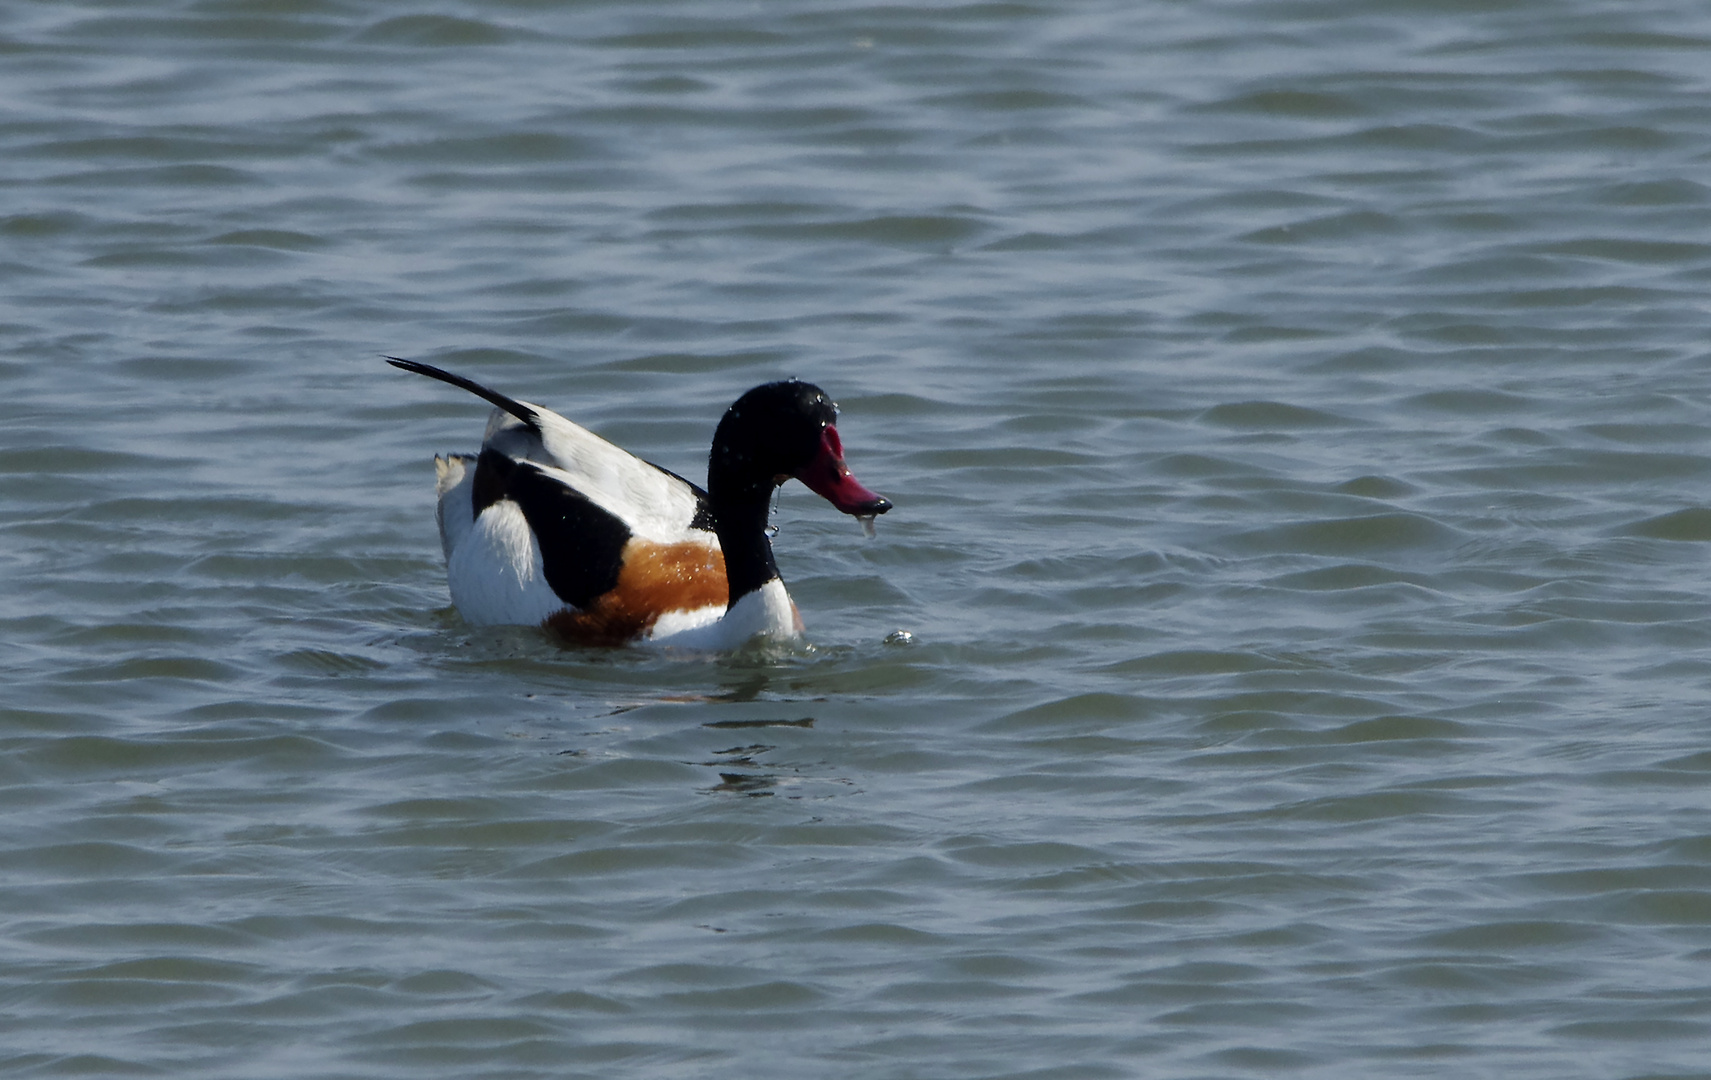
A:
x: 900, y: 637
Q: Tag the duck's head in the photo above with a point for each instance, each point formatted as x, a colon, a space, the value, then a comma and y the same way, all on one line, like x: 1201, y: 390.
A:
x: 786, y: 430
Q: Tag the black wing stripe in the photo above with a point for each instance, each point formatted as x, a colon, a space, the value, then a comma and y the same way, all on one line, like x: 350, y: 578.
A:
x: 582, y: 545
x: 510, y: 405
x: 493, y: 473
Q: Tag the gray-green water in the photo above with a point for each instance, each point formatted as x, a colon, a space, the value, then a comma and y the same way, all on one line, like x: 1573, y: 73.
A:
x: 1297, y: 418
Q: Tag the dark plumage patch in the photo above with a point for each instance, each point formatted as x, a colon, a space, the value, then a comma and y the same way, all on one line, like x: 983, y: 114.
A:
x: 582, y: 546
x: 703, y: 519
x: 493, y: 473
x: 516, y: 408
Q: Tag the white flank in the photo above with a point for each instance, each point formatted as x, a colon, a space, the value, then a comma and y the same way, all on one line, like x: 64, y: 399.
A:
x: 673, y: 623
x: 495, y: 570
x: 455, y: 512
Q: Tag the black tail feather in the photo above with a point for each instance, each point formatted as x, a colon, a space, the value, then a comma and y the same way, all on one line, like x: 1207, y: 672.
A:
x: 515, y: 408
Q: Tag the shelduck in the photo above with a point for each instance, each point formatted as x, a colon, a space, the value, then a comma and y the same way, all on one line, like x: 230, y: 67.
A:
x: 552, y: 525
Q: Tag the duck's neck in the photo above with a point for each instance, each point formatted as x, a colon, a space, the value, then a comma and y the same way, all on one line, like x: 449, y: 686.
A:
x: 739, y: 516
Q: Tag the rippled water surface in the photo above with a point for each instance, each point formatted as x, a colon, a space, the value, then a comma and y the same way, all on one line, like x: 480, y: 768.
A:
x: 1297, y: 418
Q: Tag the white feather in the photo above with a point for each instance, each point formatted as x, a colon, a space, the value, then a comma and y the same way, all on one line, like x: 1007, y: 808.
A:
x: 455, y: 511
x: 765, y: 613
x: 495, y: 569
x: 673, y: 623
x: 654, y: 504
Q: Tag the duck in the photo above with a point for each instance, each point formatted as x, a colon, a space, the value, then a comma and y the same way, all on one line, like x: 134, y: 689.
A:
x: 552, y: 526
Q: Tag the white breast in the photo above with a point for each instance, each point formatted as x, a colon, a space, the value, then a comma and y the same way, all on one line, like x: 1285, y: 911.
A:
x: 765, y: 613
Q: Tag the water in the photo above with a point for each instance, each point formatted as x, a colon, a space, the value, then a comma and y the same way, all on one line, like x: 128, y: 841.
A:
x: 1288, y: 655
